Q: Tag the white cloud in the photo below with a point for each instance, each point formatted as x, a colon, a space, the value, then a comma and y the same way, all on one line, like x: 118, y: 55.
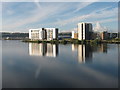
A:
x: 37, y: 15
x: 44, y: 12
x: 99, y: 28
x: 82, y: 5
x: 93, y: 15
x: 107, y: 20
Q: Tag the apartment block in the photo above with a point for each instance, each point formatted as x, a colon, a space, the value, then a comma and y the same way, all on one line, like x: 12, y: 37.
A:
x: 43, y: 34
x: 84, y: 30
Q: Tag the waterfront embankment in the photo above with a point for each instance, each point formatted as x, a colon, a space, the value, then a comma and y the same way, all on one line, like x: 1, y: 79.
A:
x: 75, y: 41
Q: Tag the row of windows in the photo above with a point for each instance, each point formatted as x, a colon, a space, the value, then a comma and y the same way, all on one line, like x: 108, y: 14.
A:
x: 34, y: 30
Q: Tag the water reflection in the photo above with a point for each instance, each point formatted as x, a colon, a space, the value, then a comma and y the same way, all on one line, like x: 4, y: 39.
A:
x: 100, y: 48
x: 85, y: 52
x: 20, y: 70
x: 43, y: 49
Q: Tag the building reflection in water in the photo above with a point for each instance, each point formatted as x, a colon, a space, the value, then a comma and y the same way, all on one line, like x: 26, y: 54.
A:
x: 43, y: 49
x: 85, y: 52
x: 102, y: 48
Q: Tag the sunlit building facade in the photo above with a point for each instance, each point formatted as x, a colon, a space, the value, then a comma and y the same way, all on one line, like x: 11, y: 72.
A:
x: 43, y: 34
x: 74, y: 35
x: 84, y: 30
x: 34, y: 34
x: 51, y: 33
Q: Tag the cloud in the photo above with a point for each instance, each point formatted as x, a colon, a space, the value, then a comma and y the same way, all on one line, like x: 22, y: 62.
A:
x: 82, y: 5
x: 40, y: 13
x: 103, y: 13
x: 37, y: 14
x: 99, y: 28
x: 107, y: 20
x: 51, y: 11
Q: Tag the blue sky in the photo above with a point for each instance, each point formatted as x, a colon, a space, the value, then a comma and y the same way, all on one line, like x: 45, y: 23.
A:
x: 22, y: 16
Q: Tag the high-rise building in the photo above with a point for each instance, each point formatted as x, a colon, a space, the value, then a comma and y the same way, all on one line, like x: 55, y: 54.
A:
x: 43, y: 34
x: 84, y: 31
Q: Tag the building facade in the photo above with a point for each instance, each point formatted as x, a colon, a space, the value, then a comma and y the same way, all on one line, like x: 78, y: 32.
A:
x: 103, y: 35
x: 34, y: 34
x: 51, y: 33
x: 43, y: 34
x: 84, y: 31
x: 74, y: 35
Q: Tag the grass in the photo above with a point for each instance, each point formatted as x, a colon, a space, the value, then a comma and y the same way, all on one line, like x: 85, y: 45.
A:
x: 75, y: 41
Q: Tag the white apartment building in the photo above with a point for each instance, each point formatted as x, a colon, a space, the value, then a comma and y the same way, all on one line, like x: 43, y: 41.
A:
x: 52, y: 33
x: 43, y: 34
x: 84, y: 30
x: 73, y: 32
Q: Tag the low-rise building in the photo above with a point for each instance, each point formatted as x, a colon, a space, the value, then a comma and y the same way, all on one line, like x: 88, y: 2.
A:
x: 43, y: 34
x: 74, y: 35
x: 113, y: 35
x: 64, y: 35
x: 103, y: 35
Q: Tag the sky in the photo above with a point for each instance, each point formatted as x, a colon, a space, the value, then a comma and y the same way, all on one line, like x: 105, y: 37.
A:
x: 22, y: 16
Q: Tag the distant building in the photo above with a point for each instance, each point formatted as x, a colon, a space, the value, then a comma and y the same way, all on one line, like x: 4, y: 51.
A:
x: 74, y: 35
x: 35, y: 34
x: 43, y: 34
x: 114, y: 35
x: 118, y: 34
x: 94, y: 35
x: 104, y: 35
x: 63, y: 35
x: 52, y: 33
x: 84, y: 30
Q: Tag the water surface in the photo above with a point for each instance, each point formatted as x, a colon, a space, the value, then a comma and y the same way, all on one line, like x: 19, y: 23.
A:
x: 32, y: 65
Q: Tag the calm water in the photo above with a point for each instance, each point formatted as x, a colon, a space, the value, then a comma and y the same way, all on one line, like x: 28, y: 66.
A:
x: 31, y: 65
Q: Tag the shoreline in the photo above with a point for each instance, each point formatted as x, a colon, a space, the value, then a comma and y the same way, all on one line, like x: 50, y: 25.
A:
x: 75, y: 41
